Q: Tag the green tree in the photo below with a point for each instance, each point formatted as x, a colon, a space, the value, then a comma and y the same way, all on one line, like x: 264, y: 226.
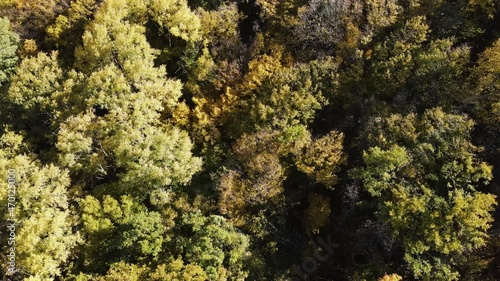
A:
x: 214, y: 244
x: 9, y: 41
x: 425, y: 177
x: 393, y: 59
x: 116, y: 129
x: 279, y: 96
x: 123, y: 271
x: 176, y: 17
x: 485, y: 81
x: 176, y: 270
x: 409, y: 69
x: 68, y: 27
x: 439, y: 75
x: 119, y: 231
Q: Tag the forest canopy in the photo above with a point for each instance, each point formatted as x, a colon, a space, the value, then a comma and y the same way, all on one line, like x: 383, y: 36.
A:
x: 249, y: 140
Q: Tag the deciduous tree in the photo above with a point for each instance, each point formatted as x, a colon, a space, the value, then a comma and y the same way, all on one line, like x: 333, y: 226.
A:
x: 9, y: 41
x: 44, y: 233
x: 426, y: 183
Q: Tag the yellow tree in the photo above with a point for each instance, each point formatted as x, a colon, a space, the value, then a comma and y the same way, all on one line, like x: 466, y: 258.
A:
x: 38, y: 201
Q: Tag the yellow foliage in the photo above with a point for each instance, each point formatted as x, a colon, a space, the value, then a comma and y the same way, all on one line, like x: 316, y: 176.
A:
x: 180, y: 114
x: 259, y: 69
x: 486, y: 79
x: 54, y: 31
x: 391, y: 277
x: 382, y: 13
x: 219, y: 23
x: 176, y: 16
x: 322, y: 158
x: 280, y: 12
x: 7, y: 3
x: 29, y: 48
x: 488, y: 6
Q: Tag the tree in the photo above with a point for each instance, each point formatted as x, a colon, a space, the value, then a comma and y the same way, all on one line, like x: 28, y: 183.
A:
x: 176, y: 17
x: 323, y: 24
x: 115, y: 130
x: 214, y: 244
x: 381, y: 14
x: 281, y: 96
x: 407, y: 72
x: 254, y: 186
x: 322, y: 158
x: 69, y: 26
x: 39, y: 93
x: 486, y: 85
x: 45, y: 236
x: 123, y: 271
x: 176, y: 270
x: 280, y: 15
x: 488, y: 6
x: 257, y: 182
x: 392, y: 60
x: 317, y: 213
x: 439, y: 76
x: 391, y: 277
x: 426, y: 185
x: 119, y: 231
x: 142, y: 159
x: 30, y: 18
x: 9, y: 41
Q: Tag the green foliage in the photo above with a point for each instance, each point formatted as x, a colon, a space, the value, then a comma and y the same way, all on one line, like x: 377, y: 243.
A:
x: 488, y: 6
x: 486, y: 84
x: 122, y: 271
x: 148, y: 157
x: 382, y: 14
x: 38, y: 88
x: 426, y: 183
x: 440, y: 74
x: 176, y: 270
x: 405, y: 68
x: 219, y: 28
x: 393, y: 58
x: 119, y: 230
x: 122, y: 131
x: 8, y: 46
x: 283, y: 96
x: 214, y: 244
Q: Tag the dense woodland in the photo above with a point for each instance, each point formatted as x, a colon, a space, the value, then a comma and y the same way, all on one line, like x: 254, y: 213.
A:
x: 251, y: 140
